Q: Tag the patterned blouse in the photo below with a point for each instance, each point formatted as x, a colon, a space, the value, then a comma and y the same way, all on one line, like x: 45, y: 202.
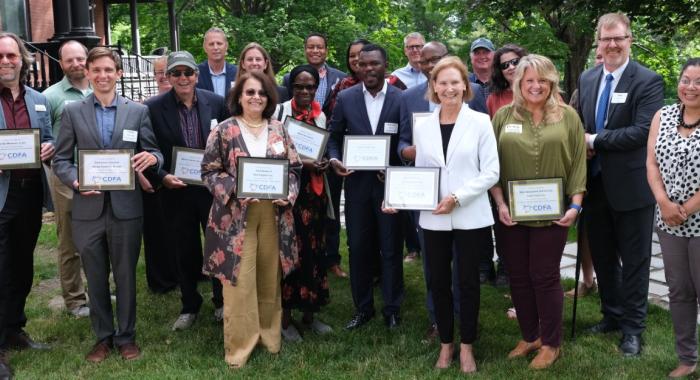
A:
x: 679, y: 163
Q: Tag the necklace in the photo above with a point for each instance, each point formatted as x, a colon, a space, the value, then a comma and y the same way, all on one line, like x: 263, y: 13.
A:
x: 253, y: 125
x: 682, y: 123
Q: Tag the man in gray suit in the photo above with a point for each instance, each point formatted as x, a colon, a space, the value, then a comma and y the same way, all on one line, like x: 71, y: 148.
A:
x: 617, y: 101
x: 107, y: 225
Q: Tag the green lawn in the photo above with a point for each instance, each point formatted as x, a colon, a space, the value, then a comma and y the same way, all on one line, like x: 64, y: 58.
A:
x: 370, y: 353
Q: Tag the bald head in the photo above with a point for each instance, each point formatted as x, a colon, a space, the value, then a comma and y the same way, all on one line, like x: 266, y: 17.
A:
x: 430, y: 55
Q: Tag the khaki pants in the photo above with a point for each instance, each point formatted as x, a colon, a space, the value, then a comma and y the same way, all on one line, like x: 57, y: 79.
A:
x: 68, y: 259
x: 253, y: 308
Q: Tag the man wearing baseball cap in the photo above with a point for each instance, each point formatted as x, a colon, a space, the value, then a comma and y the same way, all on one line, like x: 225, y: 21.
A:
x: 481, y: 54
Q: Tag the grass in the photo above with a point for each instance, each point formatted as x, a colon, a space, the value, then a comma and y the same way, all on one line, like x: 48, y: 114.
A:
x: 370, y: 353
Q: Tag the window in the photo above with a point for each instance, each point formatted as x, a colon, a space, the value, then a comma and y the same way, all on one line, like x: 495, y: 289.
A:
x: 13, y: 17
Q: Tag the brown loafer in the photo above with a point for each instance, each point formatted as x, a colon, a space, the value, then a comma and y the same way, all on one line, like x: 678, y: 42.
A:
x: 130, y: 351
x: 338, y: 271
x: 524, y: 348
x: 682, y: 370
x: 545, y: 357
x: 99, y: 352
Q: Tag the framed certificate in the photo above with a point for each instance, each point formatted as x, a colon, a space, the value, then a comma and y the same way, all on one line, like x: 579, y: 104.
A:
x: 105, y: 169
x: 262, y: 178
x: 366, y: 152
x: 409, y: 188
x: 20, y: 148
x: 187, y: 165
x: 536, y: 199
x: 309, y: 140
x: 416, y: 116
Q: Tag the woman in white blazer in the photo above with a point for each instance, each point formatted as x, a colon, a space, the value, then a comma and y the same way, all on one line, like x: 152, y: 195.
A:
x: 461, y: 143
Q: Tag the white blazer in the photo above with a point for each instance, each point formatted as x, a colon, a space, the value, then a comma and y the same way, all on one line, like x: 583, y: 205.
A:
x: 470, y: 171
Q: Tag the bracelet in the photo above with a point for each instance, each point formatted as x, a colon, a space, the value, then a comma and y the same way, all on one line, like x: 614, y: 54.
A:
x: 576, y: 207
x: 454, y: 198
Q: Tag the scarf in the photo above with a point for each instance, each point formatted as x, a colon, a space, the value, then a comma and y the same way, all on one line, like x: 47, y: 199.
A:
x: 309, y: 115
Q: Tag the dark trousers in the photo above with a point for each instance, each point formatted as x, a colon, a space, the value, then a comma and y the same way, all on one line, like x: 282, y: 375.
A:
x: 373, y: 234
x: 439, y: 253
x: 187, y: 210
x: 20, y: 223
x: 335, y: 184
x: 620, y: 244
x: 161, y: 272
x: 533, y: 257
x: 108, y: 244
x: 409, y: 221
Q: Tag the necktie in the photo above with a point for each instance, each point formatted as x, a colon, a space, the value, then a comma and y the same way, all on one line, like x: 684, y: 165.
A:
x: 602, y: 112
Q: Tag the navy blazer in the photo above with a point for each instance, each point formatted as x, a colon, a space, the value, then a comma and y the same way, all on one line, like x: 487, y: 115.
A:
x: 333, y: 77
x: 413, y: 100
x: 621, y: 146
x: 350, y: 118
x: 166, y: 122
x: 204, y: 82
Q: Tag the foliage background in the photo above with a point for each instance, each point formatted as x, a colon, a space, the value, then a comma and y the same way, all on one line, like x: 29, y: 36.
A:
x: 666, y: 33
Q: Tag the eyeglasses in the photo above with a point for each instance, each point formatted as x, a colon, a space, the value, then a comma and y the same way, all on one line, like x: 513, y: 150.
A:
x: 250, y: 93
x: 432, y: 60
x: 9, y: 56
x: 159, y: 73
x: 618, y: 39
x: 178, y: 73
x: 513, y: 62
x: 414, y: 47
x: 302, y: 87
x: 687, y: 82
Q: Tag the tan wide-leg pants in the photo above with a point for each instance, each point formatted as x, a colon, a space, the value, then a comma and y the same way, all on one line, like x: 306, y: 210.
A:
x: 253, y: 308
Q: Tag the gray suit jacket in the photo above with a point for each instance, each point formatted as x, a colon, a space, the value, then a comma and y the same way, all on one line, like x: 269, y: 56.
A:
x: 621, y: 146
x: 79, y: 130
x: 39, y: 117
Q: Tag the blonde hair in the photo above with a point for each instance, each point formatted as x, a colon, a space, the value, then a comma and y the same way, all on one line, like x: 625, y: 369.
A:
x: 553, y: 107
x: 446, y: 63
x: 609, y: 20
x: 268, y: 63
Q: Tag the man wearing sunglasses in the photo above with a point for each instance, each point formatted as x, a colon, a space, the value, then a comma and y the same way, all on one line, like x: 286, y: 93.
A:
x: 182, y: 118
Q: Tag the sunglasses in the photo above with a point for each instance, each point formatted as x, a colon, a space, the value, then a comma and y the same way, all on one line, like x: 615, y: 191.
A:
x: 302, y: 87
x: 178, y: 73
x: 250, y: 93
x: 513, y: 62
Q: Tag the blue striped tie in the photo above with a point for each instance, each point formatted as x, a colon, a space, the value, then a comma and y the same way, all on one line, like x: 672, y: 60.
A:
x: 600, y: 116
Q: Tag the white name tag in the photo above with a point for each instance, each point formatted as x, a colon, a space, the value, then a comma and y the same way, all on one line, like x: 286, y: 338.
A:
x: 618, y: 97
x: 67, y: 102
x: 130, y: 135
x: 278, y: 147
x: 513, y: 128
x: 213, y: 123
x: 39, y: 108
x: 391, y: 128
x: 233, y: 83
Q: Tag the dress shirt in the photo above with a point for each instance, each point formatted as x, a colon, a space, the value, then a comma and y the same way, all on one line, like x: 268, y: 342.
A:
x: 617, y: 74
x: 189, y: 124
x: 218, y: 81
x: 60, y: 94
x: 322, y: 85
x: 105, y: 118
x: 410, y: 76
x: 374, y: 105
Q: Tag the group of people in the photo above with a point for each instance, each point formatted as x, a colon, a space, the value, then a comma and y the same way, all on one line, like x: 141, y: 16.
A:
x: 617, y: 152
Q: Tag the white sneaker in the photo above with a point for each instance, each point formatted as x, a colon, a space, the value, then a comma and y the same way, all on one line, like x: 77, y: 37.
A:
x: 291, y: 334
x: 184, y: 322
x: 81, y: 312
x: 219, y: 314
x: 318, y: 327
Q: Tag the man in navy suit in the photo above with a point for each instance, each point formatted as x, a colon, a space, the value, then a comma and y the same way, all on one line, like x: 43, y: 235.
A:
x: 617, y: 101
x: 215, y: 74
x: 183, y: 117
x: 413, y: 100
x: 369, y: 108
x: 316, y: 51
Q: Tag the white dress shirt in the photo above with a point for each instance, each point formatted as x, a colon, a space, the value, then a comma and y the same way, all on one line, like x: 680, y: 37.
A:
x: 617, y: 74
x: 374, y: 105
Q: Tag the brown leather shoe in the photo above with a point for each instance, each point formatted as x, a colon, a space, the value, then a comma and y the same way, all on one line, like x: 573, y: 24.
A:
x: 682, y: 370
x: 338, y: 271
x: 129, y: 351
x: 99, y: 352
x: 524, y: 348
x: 545, y: 357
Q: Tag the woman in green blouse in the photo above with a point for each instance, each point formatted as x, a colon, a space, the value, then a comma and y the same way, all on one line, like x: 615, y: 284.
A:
x: 539, y: 137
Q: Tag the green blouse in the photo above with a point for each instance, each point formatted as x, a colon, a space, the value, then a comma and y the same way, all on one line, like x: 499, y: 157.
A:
x: 526, y: 151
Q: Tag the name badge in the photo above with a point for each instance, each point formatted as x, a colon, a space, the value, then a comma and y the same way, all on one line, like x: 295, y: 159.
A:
x: 618, y: 97
x: 39, y: 108
x: 278, y: 147
x: 130, y: 136
x: 233, y: 83
x: 67, y: 102
x: 213, y: 123
x: 391, y: 128
x: 513, y: 128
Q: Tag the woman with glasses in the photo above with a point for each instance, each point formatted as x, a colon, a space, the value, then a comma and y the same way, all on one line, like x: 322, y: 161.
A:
x: 539, y: 137
x: 673, y: 167
x: 505, y: 60
x: 306, y: 289
x: 249, y: 243
x: 254, y: 57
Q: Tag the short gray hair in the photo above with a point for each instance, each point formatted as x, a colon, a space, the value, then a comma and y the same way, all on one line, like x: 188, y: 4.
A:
x: 412, y: 35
